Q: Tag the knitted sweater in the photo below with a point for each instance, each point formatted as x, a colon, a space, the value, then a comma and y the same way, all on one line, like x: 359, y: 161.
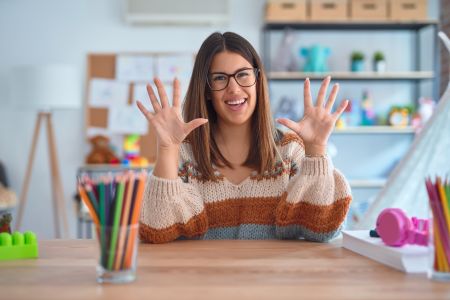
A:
x: 301, y: 197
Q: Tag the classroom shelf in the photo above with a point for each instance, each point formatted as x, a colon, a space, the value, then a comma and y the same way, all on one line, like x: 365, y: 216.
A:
x: 375, y: 130
x: 348, y: 25
x: 384, y: 76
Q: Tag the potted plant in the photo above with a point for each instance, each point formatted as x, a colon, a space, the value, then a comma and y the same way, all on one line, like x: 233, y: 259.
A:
x: 379, y: 64
x: 357, y: 61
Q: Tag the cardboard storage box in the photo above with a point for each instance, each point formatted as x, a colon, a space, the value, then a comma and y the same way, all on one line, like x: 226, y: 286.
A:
x: 370, y: 10
x: 329, y: 10
x: 286, y: 11
x: 408, y: 10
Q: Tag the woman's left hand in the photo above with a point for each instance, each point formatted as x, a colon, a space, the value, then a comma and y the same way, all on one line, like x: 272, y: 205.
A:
x: 318, y: 121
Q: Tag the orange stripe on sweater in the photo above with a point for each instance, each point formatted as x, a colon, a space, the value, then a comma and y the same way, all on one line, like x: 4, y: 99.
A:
x: 196, y: 226
x: 318, y: 218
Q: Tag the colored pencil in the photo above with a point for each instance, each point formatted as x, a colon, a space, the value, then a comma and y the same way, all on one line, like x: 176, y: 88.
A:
x: 134, y: 220
x: 88, y: 204
x: 116, y: 221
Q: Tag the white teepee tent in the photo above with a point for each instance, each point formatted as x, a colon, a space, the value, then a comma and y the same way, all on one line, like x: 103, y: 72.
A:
x: 429, y: 155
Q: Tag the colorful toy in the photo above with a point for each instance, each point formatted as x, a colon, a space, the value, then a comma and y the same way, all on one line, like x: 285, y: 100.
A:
x: 399, y: 116
x: 396, y: 229
x: 423, y: 114
x: 18, y: 245
x: 316, y: 58
x: 101, y: 152
x: 131, y: 152
x: 368, y: 116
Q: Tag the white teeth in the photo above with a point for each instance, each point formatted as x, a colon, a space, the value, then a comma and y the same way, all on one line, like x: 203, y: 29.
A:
x: 235, y: 102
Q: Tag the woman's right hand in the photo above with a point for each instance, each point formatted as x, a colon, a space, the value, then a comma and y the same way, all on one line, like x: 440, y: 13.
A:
x: 167, y: 120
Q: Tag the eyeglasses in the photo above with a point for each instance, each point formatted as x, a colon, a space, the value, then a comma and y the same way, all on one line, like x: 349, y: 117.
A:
x: 244, y: 77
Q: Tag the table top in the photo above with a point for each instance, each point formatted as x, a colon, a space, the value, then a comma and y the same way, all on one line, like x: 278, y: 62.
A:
x: 219, y: 269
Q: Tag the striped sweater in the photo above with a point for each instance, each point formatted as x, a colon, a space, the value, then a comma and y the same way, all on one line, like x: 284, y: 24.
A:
x: 301, y: 197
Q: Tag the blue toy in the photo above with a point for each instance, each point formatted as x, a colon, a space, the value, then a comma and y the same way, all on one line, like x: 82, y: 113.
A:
x: 316, y: 58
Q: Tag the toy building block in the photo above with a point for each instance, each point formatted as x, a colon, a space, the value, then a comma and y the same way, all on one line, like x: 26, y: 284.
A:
x: 18, y: 245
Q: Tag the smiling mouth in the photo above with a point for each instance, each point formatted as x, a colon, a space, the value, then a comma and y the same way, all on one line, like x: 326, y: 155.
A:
x: 236, y: 103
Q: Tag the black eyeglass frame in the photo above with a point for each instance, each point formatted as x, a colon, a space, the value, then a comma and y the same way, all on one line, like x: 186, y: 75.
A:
x: 255, y: 70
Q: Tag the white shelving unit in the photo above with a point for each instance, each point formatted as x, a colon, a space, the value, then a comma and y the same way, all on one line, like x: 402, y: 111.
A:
x: 375, y: 130
x: 416, y: 75
x: 366, y: 154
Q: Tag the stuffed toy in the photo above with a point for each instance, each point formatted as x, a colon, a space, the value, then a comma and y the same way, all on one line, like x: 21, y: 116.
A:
x: 101, y: 152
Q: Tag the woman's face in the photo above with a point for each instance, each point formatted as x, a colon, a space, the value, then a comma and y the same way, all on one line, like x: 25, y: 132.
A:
x: 234, y: 104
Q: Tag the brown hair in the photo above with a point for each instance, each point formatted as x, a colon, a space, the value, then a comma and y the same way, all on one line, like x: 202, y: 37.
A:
x: 205, y: 150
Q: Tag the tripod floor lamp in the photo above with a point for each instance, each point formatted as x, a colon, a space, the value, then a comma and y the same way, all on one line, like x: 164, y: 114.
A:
x: 45, y: 89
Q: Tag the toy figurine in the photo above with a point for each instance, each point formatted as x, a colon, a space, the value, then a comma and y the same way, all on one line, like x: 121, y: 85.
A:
x: 131, y: 151
x: 316, y: 58
x: 423, y: 114
x: 101, y: 152
x: 368, y: 116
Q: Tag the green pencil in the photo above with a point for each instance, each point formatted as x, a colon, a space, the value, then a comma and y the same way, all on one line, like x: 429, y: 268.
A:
x: 101, y: 213
x: 116, y: 222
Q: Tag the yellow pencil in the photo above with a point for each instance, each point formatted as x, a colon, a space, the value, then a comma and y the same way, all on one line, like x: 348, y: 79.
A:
x: 440, y: 256
x: 443, y: 198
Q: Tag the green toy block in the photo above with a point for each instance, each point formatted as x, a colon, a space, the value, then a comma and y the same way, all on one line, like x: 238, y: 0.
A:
x: 18, y: 245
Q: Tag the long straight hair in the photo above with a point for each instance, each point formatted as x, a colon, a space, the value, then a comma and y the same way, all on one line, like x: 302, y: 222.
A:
x: 262, y: 154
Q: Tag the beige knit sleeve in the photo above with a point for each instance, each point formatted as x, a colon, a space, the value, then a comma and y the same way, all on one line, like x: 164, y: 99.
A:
x: 171, y: 209
x: 316, y: 200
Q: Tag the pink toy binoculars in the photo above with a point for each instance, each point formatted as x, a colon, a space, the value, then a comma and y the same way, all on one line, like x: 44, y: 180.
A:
x: 396, y: 229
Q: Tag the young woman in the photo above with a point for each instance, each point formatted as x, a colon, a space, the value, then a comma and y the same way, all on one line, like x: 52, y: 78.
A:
x: 224, y: 172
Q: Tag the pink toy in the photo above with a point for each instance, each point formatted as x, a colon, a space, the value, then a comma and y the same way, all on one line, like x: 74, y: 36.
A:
x: 396, y: 229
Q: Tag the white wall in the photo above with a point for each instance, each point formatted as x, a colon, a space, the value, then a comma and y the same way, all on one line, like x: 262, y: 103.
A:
x: 65, y: 31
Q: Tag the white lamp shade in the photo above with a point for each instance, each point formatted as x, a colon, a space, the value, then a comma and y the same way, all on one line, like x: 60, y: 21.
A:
x: 46, y: 87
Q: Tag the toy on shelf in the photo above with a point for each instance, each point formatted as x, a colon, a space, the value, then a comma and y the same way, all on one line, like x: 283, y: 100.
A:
x: 5, y: 223
x: 368, y: 116
x: 316, y: 58
x: 351, y: 115
x: 18, y: 245
x: 423, y: 114
x: 285, y: 59
x: 132, y: 152
x: 286, y: 108
x: 101, y: 152
x: 399, y: 116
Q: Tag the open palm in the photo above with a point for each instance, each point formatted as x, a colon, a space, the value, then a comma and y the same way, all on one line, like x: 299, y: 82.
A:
x: 318, y: 121
x: 167, y: 121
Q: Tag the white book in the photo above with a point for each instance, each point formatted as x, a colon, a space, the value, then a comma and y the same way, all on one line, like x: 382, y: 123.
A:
x: 408, y: 258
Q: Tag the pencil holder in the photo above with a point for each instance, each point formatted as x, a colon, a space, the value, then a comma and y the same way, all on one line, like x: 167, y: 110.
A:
x: 114, y: 203
x: 117, y: 253
x: 439, y: 237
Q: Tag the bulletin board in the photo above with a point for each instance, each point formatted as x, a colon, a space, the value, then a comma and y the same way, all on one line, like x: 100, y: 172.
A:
x: 104, y: 66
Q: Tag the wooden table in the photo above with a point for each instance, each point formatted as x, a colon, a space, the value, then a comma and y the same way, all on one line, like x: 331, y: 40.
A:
x: 215, y: 270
